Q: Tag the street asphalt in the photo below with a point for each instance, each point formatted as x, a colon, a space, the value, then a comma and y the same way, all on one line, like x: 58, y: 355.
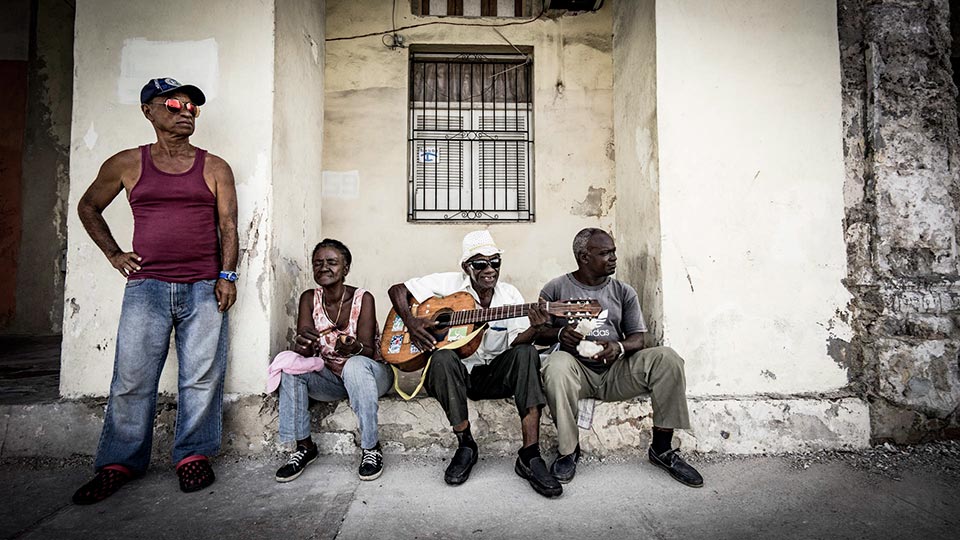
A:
x: 813, y: 496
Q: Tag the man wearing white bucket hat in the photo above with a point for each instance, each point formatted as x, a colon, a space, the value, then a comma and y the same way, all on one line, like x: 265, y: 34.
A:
x: 506, y: 363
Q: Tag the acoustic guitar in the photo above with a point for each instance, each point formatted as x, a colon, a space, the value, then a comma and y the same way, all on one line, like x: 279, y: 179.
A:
x: 458, y: 324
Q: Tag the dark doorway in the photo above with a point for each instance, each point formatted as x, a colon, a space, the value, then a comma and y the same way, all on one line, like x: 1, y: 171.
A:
x: 36, y: 67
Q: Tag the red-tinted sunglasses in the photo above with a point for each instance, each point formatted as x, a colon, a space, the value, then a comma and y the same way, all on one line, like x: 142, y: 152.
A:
x: 174, y: 106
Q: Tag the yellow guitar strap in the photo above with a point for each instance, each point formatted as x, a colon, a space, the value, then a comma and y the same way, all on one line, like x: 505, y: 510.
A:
x: 423, y: 375
x: 396, y: 379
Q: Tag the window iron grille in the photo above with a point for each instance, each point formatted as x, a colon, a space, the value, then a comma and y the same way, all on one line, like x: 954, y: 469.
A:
x: 470, y: 137
x: 472, y: 8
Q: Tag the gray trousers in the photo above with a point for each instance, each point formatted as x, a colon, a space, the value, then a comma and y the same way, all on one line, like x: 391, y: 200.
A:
x: 657, y: 371
x: 514, y: 372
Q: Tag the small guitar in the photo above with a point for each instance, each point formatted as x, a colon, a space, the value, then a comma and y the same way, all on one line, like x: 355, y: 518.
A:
x: 458, y: 324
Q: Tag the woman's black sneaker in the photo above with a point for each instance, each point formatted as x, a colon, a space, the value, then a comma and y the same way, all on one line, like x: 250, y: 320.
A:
x: 371, y: 463
x: 298, y: 461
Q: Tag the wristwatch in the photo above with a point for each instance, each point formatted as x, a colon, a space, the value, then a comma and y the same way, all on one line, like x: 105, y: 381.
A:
x: 228, y: 275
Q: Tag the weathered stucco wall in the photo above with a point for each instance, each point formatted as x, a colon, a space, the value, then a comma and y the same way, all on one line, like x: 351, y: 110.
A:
x: 297, y: 140
x: 902, y: 199
x: 366, y: 130
x: 227, y: 48
x: 46, y: 163
x: 635, y: 133
x: 751, y: 208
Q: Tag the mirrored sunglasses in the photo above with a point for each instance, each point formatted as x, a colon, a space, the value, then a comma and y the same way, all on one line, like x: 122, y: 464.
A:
x: 174, y: 106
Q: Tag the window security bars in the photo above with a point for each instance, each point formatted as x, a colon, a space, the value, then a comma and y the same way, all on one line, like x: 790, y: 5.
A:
x: 470, y: 137
x: 471, y: 8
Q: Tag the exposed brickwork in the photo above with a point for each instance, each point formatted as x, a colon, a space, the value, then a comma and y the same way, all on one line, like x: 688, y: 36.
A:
x: 902, y: 199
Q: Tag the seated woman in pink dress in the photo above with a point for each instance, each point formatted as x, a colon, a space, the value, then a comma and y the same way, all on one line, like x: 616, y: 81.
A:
x: 334, y: 357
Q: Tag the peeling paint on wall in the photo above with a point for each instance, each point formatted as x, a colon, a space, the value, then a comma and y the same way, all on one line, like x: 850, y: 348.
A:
x: 593, y: 205
x: 902, y: 215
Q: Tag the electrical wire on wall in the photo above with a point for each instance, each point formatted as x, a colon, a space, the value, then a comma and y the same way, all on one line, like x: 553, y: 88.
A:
x: 391, y: 39
x: 395, y: 40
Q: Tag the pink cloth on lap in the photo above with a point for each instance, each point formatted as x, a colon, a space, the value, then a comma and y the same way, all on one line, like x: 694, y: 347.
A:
x: 292, y: 363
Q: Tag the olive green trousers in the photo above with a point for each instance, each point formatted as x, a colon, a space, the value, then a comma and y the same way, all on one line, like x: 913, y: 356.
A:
x: 657, y: 371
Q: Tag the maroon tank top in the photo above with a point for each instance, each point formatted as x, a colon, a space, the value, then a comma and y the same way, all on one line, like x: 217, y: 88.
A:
x: 174, y: 223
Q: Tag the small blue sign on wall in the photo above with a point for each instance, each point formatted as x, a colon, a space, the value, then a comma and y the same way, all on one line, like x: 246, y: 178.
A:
x: 428, y: 155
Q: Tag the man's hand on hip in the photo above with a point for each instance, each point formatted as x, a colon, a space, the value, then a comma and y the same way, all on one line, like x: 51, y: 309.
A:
x: 226, y: 292
x: 126, y: 262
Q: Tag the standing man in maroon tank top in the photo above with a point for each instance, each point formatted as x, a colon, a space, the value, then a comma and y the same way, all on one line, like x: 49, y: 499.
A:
x: 180, y: 278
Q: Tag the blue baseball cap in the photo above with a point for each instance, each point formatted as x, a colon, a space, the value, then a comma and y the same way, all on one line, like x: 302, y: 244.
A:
x: 166, y: 85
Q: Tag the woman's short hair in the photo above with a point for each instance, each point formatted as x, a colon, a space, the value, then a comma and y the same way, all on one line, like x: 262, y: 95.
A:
x: 335, y: 244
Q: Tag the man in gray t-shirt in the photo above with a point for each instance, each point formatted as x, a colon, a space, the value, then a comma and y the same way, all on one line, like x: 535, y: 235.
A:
x: 622, y: 369
x: 621, y: 316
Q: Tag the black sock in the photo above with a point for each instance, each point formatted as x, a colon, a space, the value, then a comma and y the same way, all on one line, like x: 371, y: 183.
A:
x: 529, y: 452
x: 465, y: 438
x: 308, y: 443
x: 662, y: 439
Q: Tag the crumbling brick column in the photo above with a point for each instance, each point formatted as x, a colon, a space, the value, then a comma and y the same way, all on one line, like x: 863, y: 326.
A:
x: 902, y: 199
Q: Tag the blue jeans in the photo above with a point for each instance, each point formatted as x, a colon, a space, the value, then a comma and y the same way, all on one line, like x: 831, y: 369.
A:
x: 151, y: 309
x: 364, y: 381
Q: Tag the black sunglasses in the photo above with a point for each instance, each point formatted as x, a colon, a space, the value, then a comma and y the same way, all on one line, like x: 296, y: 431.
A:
x: 482, y: 264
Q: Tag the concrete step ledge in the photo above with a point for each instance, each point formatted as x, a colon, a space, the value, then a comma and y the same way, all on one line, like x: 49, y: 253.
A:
x: 742, y: 425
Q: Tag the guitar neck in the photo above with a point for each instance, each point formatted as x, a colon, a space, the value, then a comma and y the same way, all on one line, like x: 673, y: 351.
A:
x: 473, y: 316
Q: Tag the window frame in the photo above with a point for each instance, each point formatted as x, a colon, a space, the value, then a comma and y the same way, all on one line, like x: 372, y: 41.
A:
x: 515, y: 187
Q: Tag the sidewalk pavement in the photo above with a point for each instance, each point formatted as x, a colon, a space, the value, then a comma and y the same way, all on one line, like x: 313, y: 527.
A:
x: 809, y: 496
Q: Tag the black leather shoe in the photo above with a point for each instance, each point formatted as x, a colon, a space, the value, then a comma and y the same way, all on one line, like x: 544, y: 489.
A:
x: 565, y: 467
x: 539, y: 477
x: 459, y: 469
x: 676, y: 466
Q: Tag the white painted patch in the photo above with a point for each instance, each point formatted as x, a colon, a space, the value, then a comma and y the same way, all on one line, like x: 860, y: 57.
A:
x: 190, y: 62
x: 90, y: 139
x: 341, y: 184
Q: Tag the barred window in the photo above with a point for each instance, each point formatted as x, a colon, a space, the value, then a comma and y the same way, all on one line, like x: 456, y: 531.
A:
x: 471, y: 8
x: 471, y: 137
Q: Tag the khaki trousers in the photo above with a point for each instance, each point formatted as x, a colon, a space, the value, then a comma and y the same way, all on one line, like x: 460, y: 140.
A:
x: 657, y: 371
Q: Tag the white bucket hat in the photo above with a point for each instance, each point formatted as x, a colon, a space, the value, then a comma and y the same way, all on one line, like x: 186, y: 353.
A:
x: 478, y: 243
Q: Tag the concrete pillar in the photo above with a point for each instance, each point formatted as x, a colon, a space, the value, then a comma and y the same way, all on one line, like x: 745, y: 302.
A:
x: 236, y: 52
x: 902, y: 213
x: 297, y: 152
x: 635, y: 136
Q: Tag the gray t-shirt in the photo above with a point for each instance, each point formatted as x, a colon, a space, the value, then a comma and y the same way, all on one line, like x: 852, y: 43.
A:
x: 619, y: 300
